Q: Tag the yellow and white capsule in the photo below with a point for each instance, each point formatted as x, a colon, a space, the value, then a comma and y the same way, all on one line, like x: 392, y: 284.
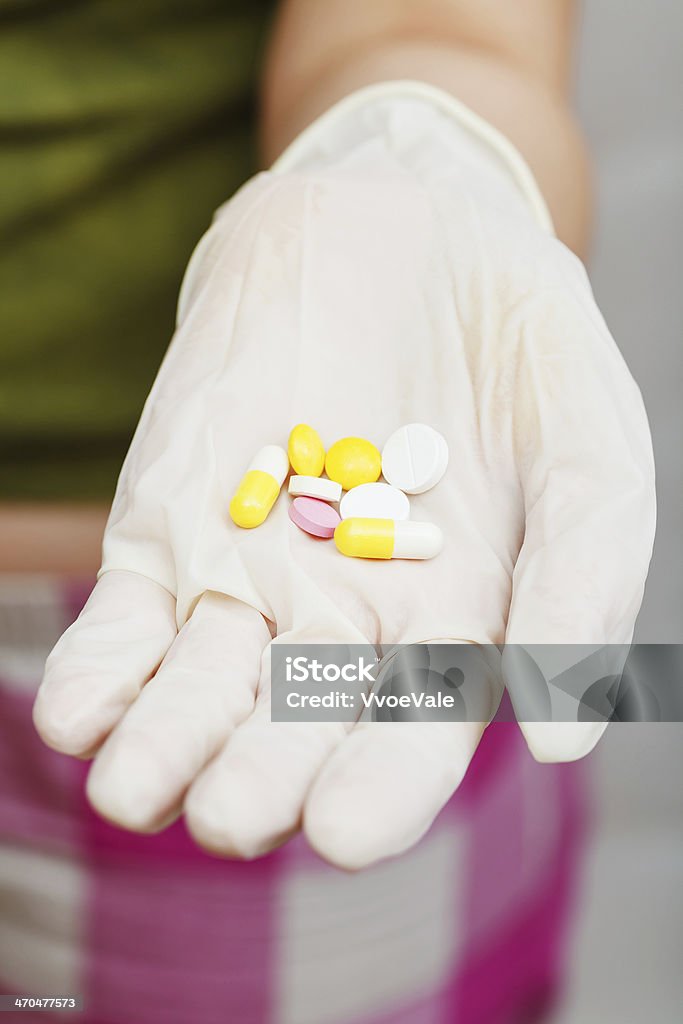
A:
x: 387, y: 538
x: 259, y: 488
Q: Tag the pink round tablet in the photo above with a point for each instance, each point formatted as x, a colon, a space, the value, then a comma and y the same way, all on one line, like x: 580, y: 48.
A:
x: 314, y: 516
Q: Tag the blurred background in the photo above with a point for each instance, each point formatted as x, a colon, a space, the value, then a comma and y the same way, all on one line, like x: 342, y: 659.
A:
x: 626, y: 956
x: 625, y: 952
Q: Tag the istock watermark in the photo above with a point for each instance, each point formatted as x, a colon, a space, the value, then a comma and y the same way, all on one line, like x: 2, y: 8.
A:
x: 468, y: 682
x: 302, y: 669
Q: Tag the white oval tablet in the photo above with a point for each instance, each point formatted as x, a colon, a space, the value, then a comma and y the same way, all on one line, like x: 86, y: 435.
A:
x: 414, y: 458
x: 374, y: 501
x: 314, y: 487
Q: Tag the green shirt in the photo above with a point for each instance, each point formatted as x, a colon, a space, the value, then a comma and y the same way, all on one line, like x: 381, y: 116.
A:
x: 123, y: 124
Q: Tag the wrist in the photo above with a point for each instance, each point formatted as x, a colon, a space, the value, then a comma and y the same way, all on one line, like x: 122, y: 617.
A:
x: 535, y: 119
x: 412, y: 128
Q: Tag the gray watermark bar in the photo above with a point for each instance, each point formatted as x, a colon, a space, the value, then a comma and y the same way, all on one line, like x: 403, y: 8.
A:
x: 467, y: 682
x: 30, y: 1004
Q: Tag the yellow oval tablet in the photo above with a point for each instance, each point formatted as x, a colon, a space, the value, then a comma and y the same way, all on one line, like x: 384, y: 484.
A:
x: 353, y: 461
x: 306, y: 451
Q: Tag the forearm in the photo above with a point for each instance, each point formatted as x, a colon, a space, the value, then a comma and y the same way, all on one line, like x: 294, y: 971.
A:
x: 508, y: 62
x: 55, y: 539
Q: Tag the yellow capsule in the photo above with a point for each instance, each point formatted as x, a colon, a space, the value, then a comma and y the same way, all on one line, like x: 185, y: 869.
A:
x: 365, y: 538
x: 387, y: 538
x: 353, y: 461
x: 259, y: 488
x: 306, y: 451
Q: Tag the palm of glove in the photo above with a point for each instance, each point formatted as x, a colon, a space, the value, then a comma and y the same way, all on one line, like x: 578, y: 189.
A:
x: 355, y: 304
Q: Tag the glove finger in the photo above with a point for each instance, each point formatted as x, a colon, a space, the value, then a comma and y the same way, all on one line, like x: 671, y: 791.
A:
x: 250, y: 798
x: 560, y: 742
x: 101, y: 663
x: 381, y: 789
x: 586, y: 469
x: 205, y: 686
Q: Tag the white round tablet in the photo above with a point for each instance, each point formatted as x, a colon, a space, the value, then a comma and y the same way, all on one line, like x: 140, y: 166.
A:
x: 414, y: 458
x: 374, y: 501
x: 314, y: 487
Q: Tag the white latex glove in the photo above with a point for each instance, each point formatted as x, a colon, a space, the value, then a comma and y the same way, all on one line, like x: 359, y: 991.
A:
x: 396, y: 265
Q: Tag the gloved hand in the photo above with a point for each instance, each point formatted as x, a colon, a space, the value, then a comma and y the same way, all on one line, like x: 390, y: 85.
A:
x: 395, y: 265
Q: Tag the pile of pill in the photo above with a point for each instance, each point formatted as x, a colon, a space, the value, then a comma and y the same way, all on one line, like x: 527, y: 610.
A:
x: 372, y: 517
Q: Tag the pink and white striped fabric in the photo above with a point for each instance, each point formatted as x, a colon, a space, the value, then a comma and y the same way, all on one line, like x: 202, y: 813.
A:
x: 470, y: 926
